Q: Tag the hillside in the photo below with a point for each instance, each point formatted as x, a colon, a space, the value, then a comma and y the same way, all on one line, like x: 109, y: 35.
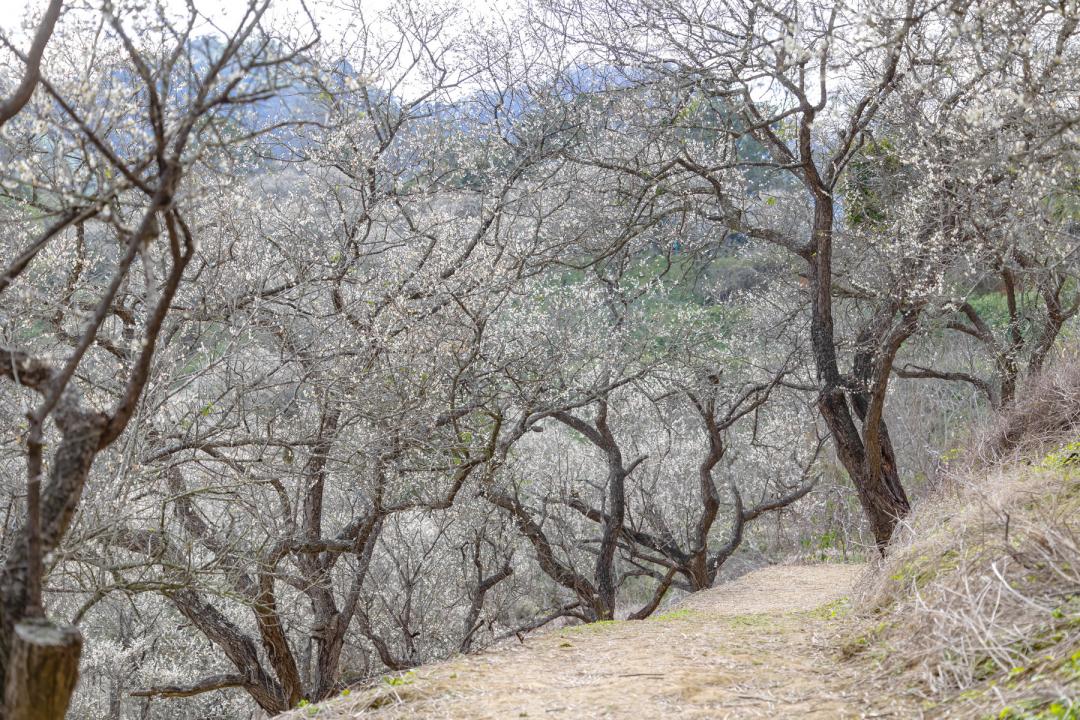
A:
x: 757, y: 647
x: 456, y: 359
x: 958, y: 623
x: 975, y: 613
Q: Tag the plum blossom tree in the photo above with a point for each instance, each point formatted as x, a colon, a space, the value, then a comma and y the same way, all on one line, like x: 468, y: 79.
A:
x: 815, y: 87
x: 100, y: 136
x: 336, y: 346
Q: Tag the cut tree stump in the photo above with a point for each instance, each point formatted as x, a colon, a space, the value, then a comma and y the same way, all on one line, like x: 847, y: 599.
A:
x: 42, y: 670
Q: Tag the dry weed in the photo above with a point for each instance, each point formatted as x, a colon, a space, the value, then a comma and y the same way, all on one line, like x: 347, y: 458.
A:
x: 977, y: 608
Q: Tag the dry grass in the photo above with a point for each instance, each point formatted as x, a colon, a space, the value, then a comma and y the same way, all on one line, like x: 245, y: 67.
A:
x: 749, y: 649
x: 1045, y: 410
x: 975, y: 614
x: 976, y: 611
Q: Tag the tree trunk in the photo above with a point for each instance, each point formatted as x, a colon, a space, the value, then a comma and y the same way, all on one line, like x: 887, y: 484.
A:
x: 43, y: 666
x: 882, y: 497
x: 605, y: 561
x: 880, y: 492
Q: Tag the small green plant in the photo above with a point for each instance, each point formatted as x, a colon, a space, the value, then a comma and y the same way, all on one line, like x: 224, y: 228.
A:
x: 1064, y: 709
x: 1064, y: 457
x: 861, y: 641
x: 833, y: 610
x: 950, y: 455
x: 750, y: 620
x: 399, y: 680
x: 1072, y: 665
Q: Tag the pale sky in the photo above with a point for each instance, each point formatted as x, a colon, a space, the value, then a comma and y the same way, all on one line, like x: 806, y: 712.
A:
x: 330, y: 13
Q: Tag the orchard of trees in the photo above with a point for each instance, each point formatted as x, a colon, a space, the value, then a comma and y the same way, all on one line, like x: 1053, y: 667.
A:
x: 337, y: 338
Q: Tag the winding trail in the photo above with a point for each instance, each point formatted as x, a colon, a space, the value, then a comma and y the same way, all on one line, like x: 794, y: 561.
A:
x: 754, y: 648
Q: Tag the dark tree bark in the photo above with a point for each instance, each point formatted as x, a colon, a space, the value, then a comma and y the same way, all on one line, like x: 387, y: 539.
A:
x: 600, y: 435
x: 484, y: 585
x: 564, y: 575
x: 699, y: 562
x: 10, y: 107
x: 42, y: 670
x: 865, y: 452
x: 154, y: 178
x: 1017, y: 355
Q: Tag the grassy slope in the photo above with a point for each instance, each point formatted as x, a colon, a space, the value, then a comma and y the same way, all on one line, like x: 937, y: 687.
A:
x: 976, y: 611
x: 747, y: 649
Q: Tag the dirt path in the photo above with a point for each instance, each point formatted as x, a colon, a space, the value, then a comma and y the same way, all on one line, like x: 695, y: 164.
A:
x: 748, y: 649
